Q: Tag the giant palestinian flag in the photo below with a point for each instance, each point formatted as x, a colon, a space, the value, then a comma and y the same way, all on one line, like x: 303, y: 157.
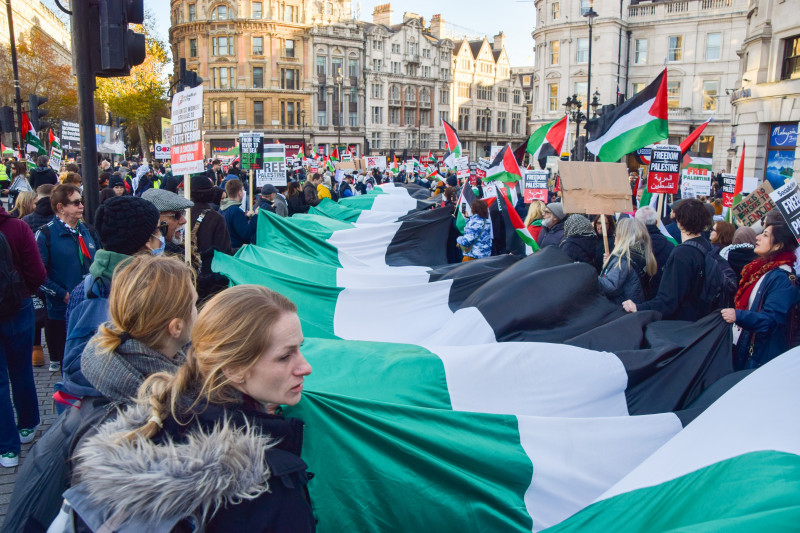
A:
x: 640, y: 121
x: 547, y: 140
x: 504, y: 167
x: 451, y: 136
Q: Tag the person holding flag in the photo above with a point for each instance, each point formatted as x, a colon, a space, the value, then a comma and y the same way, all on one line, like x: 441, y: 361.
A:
x: 42, y: 173
x: 476, y: 243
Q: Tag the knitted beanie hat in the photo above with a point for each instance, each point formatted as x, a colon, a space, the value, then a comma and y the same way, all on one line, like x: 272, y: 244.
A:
x: 116, y: 180
x: 125, y: 223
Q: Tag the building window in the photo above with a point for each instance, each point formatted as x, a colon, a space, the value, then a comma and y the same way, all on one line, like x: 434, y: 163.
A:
x: 411, y: 142
x: 192, y: 12
x: 501, y: 122
x: 675, y: 48
x: 516, y: 123
x: 556, y: 10
x: 426, y: 71
x: 425, y: 95
x: 484, y: 92
x: 352, y: 68
x: 552, y: 90
x: 258, y: 46
x: 426, y: 53
x: 484, y: 120
x: 636, y: 88
x: 466, y: 64
x: 673, y: 94
x: 790, y: 69
x: 580, y: 90
x: 502, y: 94
x: 582, y: 50
x: 353, y: 119
x: 377, y: 65
x: 220, y: 13
x: 222, y: 113
x: 517, y: 96
x: 713, y: 46
x: 222, y: 78
x: 377, y: 44
x: 322, y: 65
x: 395, y: 67
x: 221, y: 46
x: 444, y: 96
x: 395, y: 48
x: 463, y: 118
x: 258, y: 77
x: 290, y: 113
x: 442, y: 142
x: 377, y: 90
x: 554, y: 48
x: 289, y: 48
x: 705, y: 146
x: 463, y: 90
x: 256, y: 9
x: 411, y: 94
x: 290, y: 79
x: 444, y: 115
x: 192, y: 47
x: 322, y: 118
x: 337, y: 66
x: 444, y: 73
x: 781, y: 152
x: 710, y: 90
x: 425, y: 117
x: 376, y: 140
x: 425, y: 141
x: 409, y: 118
x: 394, y: 141
x: 394, y: 115
x: 289, y: 15
x: 258, y: 113
x: 585, y: 5
x: 640, y: 51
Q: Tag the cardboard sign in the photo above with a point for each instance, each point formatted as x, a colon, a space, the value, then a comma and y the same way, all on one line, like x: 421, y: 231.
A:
x: 274, y: 166
x: 251, y: 148
x: 162, y: 151
x: 595, y: 188
x: 728, y: 186
x: 749, y: 185
x: 375, y: 161
x: 187, y: 132
x: 695, y: 182
x: 787, y: 200
x: 755, y: 205
x: 664, y: 169
x: 536, y: 185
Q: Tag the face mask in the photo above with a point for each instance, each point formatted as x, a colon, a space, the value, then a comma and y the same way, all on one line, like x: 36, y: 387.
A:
x: 177, y: 237
x: 162, y: 244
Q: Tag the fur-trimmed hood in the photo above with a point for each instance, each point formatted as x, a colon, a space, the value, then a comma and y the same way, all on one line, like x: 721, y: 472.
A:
x: 152, y: 482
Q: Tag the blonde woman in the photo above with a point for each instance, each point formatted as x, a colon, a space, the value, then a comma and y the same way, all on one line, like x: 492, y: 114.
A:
x: 210, y: 431
x: 25, y: 204
x: 534, y: 219
x: 630, y: 265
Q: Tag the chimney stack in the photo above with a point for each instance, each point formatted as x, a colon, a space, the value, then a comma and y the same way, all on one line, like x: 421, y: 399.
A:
x: 382, y: 14
x: 437, y: 26
x: 499, y: 42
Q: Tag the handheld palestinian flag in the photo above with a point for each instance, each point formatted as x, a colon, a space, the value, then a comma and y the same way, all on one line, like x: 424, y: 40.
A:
x: 451, y: 136
x: 463, y: 210
x: 736, y: 197
x: 335, y: 154
x: 430, y: 157
x: 50, y: 137
x: 547, y: 140
x: 504, y: 167
x: 29, y: 137
x: 300, y: 154
x: 517, y: 224
x: 314, y: 153
x: 687, y: 143
x: 640, y: 121
x: 395, y: 166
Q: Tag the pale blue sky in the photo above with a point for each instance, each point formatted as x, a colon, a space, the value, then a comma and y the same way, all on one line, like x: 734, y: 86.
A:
x: 515, y: 18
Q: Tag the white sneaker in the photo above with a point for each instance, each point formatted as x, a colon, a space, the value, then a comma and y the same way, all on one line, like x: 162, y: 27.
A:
x: 27, y: 435
x: 9, y: 460
x: 55, y: 367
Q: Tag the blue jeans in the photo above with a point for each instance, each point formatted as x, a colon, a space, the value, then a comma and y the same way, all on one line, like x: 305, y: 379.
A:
x: 16, y: 346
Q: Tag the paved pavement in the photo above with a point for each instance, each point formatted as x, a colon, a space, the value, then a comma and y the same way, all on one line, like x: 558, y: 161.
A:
x: 44, y: 386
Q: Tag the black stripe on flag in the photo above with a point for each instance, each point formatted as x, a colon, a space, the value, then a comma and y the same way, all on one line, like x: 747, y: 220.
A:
x: 598, y: 126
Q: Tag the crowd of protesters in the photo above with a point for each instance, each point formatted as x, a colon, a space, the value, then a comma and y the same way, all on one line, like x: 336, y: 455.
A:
x: 183, y: 379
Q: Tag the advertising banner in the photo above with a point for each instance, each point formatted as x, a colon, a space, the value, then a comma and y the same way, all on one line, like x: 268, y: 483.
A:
x: 162, y: 151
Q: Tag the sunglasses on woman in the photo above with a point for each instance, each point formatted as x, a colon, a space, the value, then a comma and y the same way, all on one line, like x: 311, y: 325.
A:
x: 76, y: 203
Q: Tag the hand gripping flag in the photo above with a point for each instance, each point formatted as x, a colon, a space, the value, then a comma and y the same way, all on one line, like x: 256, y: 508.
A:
x: 547, y: 140
x: 453, y: 143
x: 640, y: 121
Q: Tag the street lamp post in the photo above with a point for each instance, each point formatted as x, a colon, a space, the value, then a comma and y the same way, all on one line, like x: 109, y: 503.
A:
x: 573, y: 108
x: 339, y: 84
x: 303, y: 120
x: 487, y: 117
x: 590, y: 15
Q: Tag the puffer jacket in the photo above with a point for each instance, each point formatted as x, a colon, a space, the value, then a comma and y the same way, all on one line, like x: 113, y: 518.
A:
x: 581, y: 249
x: 478, y: 234
x: 242, y: 468
x: 620, y: 281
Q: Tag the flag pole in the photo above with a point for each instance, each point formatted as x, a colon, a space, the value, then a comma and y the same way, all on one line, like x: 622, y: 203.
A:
x: 187, y: 232
x: 660, y: 206
x: 605, y: 232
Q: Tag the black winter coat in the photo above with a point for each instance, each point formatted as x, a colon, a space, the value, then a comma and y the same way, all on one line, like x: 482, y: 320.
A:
x: 42, y: 176
x: 739, y: 257
x: 42, y: 214
x: 661, y: 250
x: 581, y: 249
x: 551, y: 236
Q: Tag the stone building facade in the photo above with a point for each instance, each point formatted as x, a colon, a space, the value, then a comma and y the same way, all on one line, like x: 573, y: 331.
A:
x: 256, y: 60
x: 28, y: 14
x: 766, y: 101
x: 407, y: 78
x: 697, y: 40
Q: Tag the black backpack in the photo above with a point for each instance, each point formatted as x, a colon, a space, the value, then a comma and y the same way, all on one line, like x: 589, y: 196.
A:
x: 12, y: 287
x: 718, y: 282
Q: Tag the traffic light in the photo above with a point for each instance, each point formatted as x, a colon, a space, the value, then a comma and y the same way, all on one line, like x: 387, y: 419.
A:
x: 120, y: 48
x: 188, y: 78
x: 36, y: 112
x: 7, y: 119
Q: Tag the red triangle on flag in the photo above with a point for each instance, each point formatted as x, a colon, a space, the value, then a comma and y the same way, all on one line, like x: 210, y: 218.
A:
x: 660, y: 109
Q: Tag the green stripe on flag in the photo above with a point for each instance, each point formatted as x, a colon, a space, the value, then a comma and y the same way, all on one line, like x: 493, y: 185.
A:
x: 277, y: 233
x: 362, y: 201
x: 649, y: 133
x: 329, y: 208
x: 757, y: 491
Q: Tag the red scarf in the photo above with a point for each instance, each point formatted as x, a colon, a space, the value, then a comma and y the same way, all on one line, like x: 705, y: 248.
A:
x: 754, y: 270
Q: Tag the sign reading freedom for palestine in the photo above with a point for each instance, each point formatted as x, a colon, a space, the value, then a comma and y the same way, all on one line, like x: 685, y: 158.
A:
x: 186, y: 141
x: 787, y: 200
x: 664, y: 172
x: 536, y: 185
x: 728, y: 186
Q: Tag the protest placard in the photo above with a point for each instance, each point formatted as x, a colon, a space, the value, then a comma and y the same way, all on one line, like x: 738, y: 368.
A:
x: 187, y: 122
x: 347, y: 156
x: 251, y: 146
x: 535, y: 185
x: 755, y: 205
x: 375, y: 161
x: 462, y: 163
x: 595, y: 188
x: 664, y: 169
x: 787, y: 201
x: 749, y: 184
x: 55, y: 158
x: 274, y: 171
x: 71, y: 135
x: 162, y: 151
x: 728, y: 186
x: 695, y: 182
